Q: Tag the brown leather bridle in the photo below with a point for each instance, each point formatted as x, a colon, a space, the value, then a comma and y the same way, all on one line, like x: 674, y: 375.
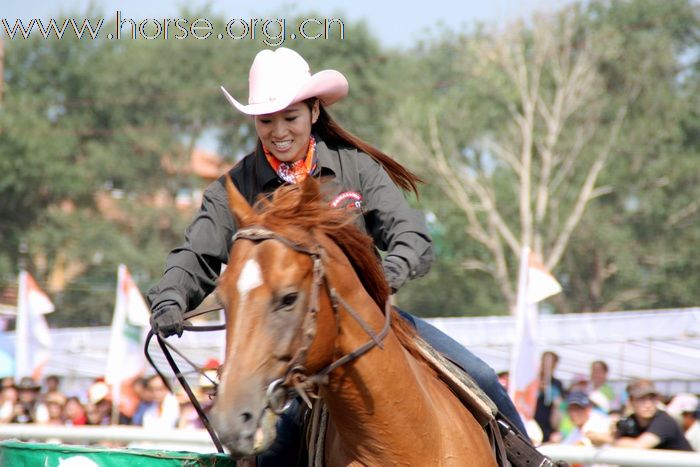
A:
x: 296, y: 378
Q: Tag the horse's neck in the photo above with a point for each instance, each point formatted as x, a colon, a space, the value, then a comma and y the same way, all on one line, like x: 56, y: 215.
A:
x: 382, y: 389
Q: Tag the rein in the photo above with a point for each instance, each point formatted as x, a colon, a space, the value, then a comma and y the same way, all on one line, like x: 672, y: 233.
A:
x: 295, y: 378
x: 165, y: 347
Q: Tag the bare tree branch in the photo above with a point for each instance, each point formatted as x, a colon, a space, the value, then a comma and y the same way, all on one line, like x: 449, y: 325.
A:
x: 585, y: 193
x: 461, y: 183
x: 547, y: 82
x: 623, y: 297
x: 684, y: 213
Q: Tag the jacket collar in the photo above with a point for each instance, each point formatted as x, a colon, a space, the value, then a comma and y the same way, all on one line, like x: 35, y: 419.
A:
x: 327, y: 164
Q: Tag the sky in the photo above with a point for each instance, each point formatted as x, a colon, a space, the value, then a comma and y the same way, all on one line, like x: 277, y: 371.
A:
x: 402, y: 23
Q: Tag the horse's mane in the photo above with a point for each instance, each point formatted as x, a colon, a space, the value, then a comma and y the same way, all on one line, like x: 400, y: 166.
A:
x: 297, y: 212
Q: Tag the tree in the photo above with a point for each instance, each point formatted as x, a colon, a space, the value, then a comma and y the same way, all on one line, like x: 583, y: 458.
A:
x: 634, y: 247
x: 527, y: 178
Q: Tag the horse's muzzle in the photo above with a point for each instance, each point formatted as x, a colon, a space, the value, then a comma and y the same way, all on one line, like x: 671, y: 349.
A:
x: 245, y: 432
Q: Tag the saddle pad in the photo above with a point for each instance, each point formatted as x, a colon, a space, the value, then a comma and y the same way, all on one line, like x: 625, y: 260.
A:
x: 471, y: 395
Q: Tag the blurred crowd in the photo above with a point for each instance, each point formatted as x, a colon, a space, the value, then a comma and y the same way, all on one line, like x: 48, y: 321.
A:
x: 589, y: 412
x: 145, y: 401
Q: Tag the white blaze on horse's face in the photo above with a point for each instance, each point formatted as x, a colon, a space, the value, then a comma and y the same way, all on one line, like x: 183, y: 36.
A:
x: 250, y: 278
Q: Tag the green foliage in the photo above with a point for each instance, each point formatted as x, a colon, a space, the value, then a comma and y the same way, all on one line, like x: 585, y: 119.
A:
x: 641, y: 255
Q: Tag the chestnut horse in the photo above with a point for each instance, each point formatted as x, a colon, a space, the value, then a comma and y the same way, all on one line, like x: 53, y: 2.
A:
x: 305, y: 301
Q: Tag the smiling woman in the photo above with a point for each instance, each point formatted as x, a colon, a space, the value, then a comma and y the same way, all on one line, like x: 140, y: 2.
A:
x: 286, y: 133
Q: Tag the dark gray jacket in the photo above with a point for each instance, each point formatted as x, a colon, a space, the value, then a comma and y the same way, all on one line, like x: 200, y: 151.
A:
x: 351, y: 179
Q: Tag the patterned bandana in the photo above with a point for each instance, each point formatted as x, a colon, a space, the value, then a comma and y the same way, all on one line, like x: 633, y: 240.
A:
x: 294, y: 172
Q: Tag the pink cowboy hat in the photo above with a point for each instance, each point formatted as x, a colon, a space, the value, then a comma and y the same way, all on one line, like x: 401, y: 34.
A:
x: 281, y: 77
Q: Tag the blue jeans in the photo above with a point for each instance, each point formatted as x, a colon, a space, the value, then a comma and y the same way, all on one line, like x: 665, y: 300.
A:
x: 290, y: 426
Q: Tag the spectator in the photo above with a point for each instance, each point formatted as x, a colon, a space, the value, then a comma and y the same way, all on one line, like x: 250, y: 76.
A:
x: 99, y: 407
x: 579, y: 383
x: 584, y: 419
x: 28, y: 409
x: 74, y: 413
x: 600, y: 385
x: 684, y: 408
x: 146, y: 401
x: 189, y: 418
x: 52, y: 383
x: 98, y: 414
x: 9, y: 397
x: 132, y: 391
x: 55, y: 403
x: 550, y: 396
x: 164, y: 412
x: 648, y: 427
x: 587, y: 423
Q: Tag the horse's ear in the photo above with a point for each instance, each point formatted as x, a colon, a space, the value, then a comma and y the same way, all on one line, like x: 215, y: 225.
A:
x: 241, y: 210
x: 310, y: 191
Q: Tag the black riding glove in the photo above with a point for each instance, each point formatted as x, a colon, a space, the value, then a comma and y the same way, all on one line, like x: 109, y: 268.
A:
x: 396, y: 272
x: 167, y: 320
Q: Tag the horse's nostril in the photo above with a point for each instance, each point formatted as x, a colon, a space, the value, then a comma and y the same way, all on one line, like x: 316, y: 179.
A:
x: 246, y: 417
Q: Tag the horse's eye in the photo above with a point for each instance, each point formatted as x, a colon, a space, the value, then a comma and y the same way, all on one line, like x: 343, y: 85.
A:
x: 288, y: 300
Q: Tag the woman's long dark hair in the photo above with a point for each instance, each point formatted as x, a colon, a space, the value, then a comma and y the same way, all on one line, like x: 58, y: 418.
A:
x: 331, y: 132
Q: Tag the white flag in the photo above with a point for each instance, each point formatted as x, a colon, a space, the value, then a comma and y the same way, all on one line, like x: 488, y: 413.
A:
x: 32, y: 336
x: 129, y: 328
x: 535, y: 284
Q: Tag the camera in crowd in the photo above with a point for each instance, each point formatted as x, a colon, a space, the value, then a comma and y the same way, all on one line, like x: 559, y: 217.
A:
x: 627, y: 426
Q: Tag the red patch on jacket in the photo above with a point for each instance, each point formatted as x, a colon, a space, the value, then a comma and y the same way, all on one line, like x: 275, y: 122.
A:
x: 348, y: 200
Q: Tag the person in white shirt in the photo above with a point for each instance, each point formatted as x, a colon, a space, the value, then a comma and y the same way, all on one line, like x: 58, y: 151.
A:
x: 164, y: 411
x: 684, y: 409
x: 585, y: 420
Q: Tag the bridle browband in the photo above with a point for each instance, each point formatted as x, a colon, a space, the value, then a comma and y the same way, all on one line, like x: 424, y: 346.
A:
x: 295, y: 379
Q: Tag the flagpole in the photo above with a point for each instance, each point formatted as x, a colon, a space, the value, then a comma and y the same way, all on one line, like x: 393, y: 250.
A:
x: 116, y: 330
x: 521, y: 323
x: 21, y: 336
x: 20, y: 321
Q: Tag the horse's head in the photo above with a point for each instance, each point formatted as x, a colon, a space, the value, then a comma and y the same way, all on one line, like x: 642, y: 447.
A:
x: 268, y: 291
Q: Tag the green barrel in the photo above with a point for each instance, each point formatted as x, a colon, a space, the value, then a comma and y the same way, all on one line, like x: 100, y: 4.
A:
x: 20, y: 454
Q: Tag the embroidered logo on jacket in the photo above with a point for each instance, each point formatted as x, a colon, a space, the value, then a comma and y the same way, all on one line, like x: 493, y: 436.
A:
x: 347, y: 199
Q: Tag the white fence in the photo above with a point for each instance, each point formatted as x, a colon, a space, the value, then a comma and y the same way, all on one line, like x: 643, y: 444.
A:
x: 199, y: 441
x: 622, y: 456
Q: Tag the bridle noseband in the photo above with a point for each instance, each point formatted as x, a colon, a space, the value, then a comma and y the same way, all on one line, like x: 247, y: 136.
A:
x: 296, y: 378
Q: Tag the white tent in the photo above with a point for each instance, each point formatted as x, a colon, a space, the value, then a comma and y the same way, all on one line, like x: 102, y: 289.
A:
x: 662, y: 345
